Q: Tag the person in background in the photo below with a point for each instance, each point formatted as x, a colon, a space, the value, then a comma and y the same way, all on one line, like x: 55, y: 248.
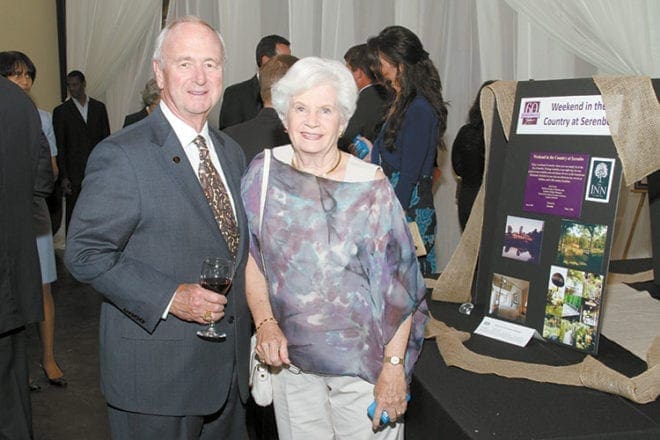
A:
x: 150, y: 99
x: 175, y: 183
x: 19, y: 69
x: 80, y: 123
x: 368, y: 116
x: 415, y: 123
x: 265, y: 130
x: 21, y: 160
x: 467, y: 159
x: 332, y: 279
x: 242, y: 101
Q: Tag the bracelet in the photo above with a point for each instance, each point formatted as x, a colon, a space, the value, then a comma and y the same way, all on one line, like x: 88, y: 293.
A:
x: 269, y: 319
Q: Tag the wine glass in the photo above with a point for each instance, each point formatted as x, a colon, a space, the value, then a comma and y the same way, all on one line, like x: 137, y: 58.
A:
x: 217, y: 274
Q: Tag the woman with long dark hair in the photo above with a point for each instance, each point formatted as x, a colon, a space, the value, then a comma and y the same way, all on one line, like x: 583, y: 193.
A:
x: 407, y: 145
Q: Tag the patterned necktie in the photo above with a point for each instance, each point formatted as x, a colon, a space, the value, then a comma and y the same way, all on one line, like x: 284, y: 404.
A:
x: 217, y: 195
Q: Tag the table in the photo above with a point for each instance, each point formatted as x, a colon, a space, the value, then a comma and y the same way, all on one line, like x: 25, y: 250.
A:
x: 452, y: 404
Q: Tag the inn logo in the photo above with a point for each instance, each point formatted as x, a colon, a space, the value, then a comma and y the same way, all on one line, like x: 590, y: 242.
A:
x: 601, y: 172
x: 531, y: 112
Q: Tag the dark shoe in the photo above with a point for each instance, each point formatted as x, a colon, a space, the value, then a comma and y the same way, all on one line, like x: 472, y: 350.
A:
x: 59, y: 382
x: 34, y: 386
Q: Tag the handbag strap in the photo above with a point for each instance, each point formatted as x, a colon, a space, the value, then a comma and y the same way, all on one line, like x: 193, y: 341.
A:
x: 262, y: 203
x: 264, y: 187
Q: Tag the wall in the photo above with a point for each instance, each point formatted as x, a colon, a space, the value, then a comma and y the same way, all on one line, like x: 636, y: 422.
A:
x: 30, y: 26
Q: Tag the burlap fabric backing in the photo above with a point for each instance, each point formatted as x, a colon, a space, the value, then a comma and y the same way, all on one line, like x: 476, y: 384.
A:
x: 589, y: 373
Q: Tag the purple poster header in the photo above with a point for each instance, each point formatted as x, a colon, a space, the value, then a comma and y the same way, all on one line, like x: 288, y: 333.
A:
x: 555, y: 183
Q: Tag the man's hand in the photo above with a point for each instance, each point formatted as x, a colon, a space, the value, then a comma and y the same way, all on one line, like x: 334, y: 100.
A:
x: 194, y: 303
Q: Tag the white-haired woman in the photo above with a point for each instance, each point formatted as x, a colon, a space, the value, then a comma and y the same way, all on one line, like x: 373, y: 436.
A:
x: 339, y: 304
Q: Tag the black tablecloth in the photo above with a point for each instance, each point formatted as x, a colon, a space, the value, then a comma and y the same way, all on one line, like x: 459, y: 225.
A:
x: 450, y: 403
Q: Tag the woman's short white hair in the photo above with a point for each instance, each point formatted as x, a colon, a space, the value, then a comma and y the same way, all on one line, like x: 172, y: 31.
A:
x: 311, y: 72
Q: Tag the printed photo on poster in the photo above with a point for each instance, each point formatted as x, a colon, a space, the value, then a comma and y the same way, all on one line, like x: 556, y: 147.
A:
x: 522, y: 239
x: 555, y: 183
x: 573, y: 307
x: 581, y: 245
x: 508, y: 298
x: 599, y: 185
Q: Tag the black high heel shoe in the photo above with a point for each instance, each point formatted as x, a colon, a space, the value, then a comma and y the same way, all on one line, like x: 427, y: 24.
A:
x: 59, y: 382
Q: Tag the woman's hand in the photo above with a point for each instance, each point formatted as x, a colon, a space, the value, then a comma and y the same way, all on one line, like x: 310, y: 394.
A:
x: 390, y: 393
x: 272, y: 345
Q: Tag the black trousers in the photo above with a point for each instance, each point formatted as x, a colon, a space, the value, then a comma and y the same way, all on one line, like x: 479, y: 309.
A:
x: 54, y: 202
x: 71, y: 200
x: 654, y: 212
x: 15, y: 405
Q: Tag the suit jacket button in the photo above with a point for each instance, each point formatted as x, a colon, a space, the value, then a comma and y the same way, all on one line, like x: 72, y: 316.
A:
x: 230, y: 320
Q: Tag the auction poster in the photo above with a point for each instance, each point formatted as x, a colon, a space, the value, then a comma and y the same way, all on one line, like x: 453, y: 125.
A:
x: 549, y: 211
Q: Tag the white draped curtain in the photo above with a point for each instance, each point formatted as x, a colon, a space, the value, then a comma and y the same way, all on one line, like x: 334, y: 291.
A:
x: 469, y: 41
x: 111, y: 43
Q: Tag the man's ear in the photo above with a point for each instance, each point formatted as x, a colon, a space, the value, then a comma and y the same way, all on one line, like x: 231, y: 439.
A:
x: 158, y: 74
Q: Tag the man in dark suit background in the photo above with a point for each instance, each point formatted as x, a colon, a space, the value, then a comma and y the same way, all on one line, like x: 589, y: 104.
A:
x: 266, y: 129
x: 368, y: 116
x: 21, y: 161
x: 141, y: 229
x: 80, y: 123
x: 242, y: 101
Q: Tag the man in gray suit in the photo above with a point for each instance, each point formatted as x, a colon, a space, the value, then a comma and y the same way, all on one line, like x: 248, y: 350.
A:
x: 139, y: 233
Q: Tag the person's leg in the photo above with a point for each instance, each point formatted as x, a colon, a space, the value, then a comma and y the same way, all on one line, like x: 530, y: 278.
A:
x: 349, y: 399
x: 70, y: 204
x: 15, y: 405
x: 302, y: 410
x: 47, y: 333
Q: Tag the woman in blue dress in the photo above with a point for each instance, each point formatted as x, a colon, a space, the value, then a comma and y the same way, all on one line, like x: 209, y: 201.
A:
x: 407, y: 145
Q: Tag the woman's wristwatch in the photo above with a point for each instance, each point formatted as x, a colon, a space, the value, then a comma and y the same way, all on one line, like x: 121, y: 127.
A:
x: 394, y: 360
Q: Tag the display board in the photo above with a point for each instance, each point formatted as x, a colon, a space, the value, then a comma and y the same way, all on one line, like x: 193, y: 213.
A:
x: 550, y: 207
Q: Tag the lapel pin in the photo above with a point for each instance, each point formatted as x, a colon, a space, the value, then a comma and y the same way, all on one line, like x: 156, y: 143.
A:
x: 176, y: 159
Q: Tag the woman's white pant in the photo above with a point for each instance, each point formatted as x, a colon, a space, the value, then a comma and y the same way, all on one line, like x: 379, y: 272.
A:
x: 310, y: 406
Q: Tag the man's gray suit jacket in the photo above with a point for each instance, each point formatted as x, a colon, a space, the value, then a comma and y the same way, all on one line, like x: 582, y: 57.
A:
x: 141, y: 227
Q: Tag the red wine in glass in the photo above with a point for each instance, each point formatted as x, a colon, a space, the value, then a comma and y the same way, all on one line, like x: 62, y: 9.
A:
x: 218, y: 285
x: 217, y: 274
